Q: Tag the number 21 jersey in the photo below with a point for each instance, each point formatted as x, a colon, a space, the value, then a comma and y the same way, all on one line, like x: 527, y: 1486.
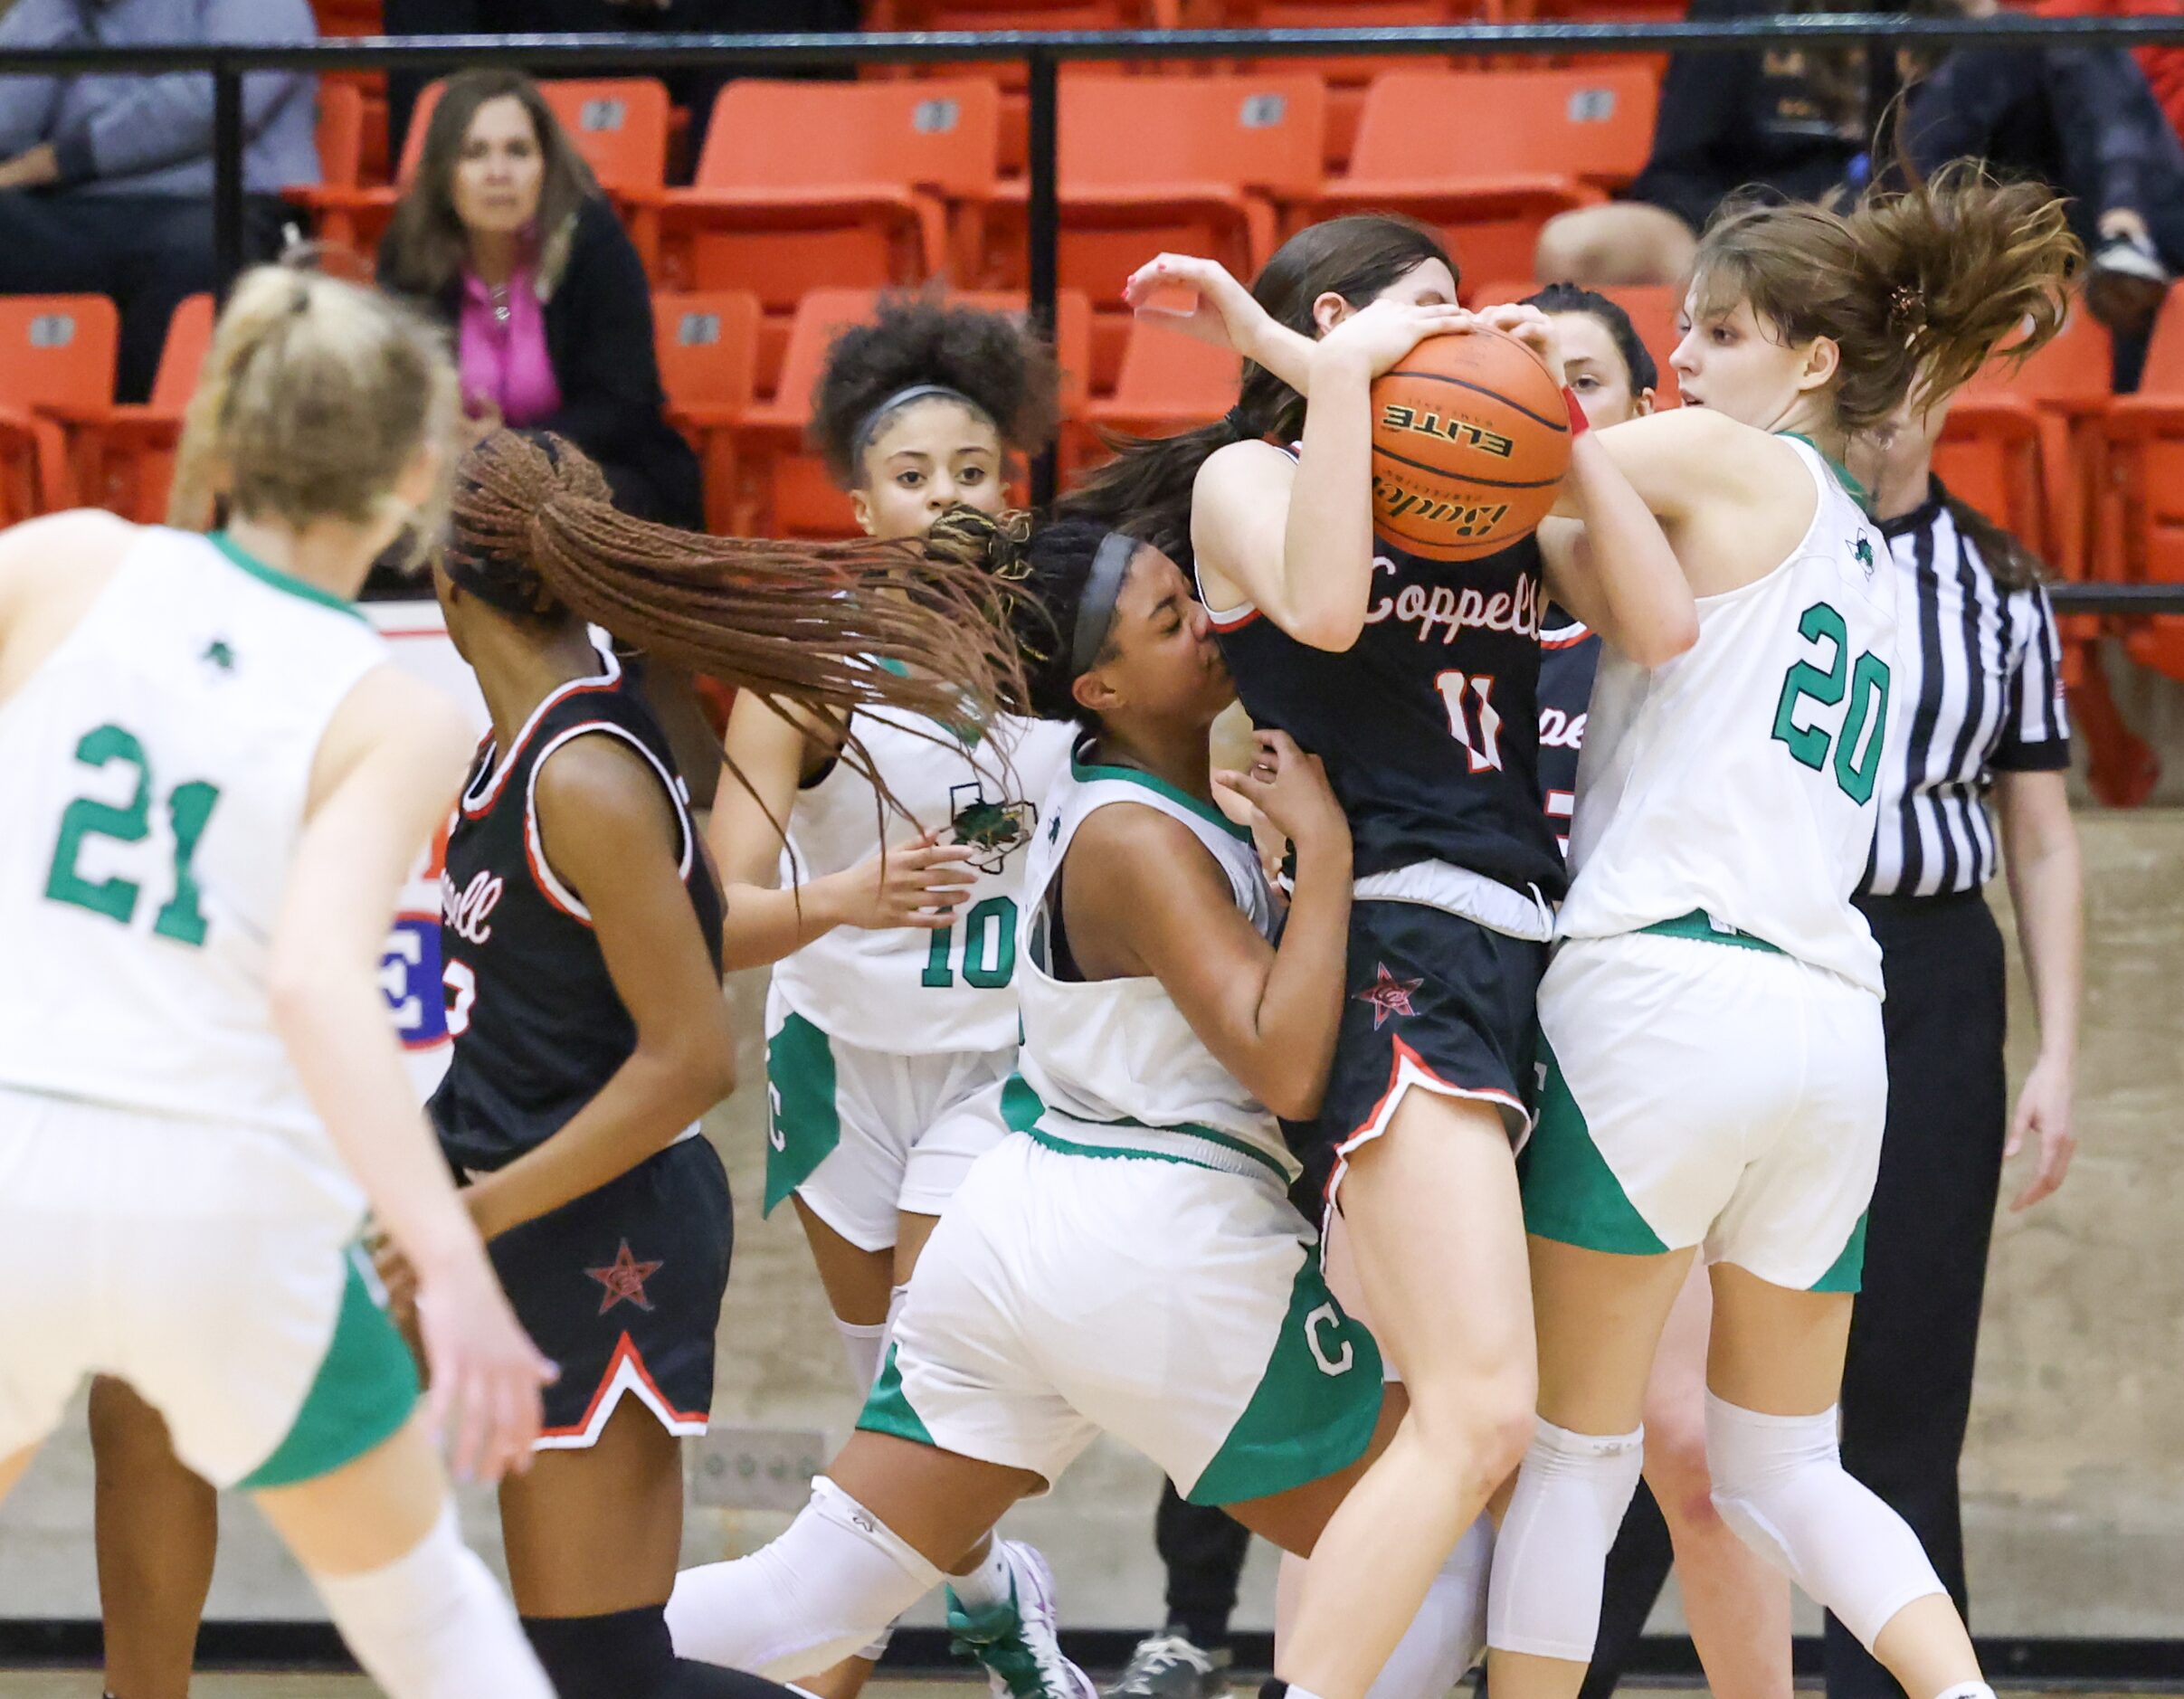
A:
x: 1740, y: 778
x: 158, y: 767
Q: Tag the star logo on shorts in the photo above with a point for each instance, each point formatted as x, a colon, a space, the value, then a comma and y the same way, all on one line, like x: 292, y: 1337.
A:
x: 624, y: 1280
x: 1390, y: 996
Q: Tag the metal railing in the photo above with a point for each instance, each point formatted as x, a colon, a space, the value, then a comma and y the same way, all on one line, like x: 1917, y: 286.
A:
x: 1042, y: 53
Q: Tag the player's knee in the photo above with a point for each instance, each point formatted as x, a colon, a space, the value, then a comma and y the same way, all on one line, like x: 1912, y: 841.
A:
x: 1568, y: 247
x: 620, y: 1651
x: 1677, y: 1471
x: 1480, y: 1424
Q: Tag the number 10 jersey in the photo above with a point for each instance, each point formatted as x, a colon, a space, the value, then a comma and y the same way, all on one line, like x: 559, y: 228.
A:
x: 1739, y: 780
x: 157, y: 767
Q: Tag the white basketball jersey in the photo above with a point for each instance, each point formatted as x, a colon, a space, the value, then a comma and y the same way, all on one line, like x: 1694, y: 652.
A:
x: 909, y: 991
x: 159, y: 764
x: 1113, y: 1063
x: 1740, y: 778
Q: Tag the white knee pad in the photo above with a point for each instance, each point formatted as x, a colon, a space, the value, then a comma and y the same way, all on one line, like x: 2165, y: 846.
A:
x: 1779, y: 1482
x: 1450, y: 1631
x: 434, y: 1624
x: 1570, y: 1500
x: 830, y: 1586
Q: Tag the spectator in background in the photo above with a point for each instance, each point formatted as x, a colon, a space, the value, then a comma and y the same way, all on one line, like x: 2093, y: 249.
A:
x: 1793, y: 121
x: 2085, y: 119
x: 504, y: 234
x: 105, y: 181
x: 1797, y: 123
x: 693, y: 89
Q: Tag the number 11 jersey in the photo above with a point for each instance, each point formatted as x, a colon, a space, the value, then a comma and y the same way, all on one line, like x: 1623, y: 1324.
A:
x: 1738, y: 780
x: 158, y: 765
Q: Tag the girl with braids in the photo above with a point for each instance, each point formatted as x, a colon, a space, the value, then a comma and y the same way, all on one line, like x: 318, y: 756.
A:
x: 1415, y: 681
x: 1128, y: 1260
x: 581, y: 933
x: 1710, y: 955
x: 218, y: 781
x: 891, y: 926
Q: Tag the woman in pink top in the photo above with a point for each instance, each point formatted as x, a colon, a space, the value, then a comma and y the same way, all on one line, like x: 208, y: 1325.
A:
x: 505, y: 234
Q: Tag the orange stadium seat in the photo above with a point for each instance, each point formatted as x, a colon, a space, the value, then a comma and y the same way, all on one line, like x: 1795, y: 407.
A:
x: 808, y: 186
x: 1196, y: 164
x: 1166, y: 382
x: 2141, y: 512
x: 618, y: 125
x: 123, y: 454
x: 1492, y: 156
x: 707, y: 345
x: 1347, y: 77
x: 2019, y: 446
x: 784, y: 491
x: 56, y: 356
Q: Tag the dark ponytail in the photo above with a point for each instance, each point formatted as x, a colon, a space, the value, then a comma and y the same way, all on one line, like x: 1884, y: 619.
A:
x: 2010, y: 561
x: 1147, y: 488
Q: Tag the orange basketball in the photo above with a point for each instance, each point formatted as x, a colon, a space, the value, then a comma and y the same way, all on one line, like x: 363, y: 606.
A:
x: 1470, y: 441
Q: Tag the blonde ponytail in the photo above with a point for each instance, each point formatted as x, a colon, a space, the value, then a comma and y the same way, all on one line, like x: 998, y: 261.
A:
x: 316, y: 395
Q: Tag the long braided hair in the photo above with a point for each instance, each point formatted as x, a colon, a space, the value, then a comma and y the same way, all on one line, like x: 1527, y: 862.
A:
x: 820, y: 629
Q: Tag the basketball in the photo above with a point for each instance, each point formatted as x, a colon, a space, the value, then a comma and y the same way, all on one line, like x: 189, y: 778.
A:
x: 1470, y: 441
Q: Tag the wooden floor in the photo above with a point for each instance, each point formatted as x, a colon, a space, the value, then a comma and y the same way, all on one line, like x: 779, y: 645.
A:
x: 69, y: 1684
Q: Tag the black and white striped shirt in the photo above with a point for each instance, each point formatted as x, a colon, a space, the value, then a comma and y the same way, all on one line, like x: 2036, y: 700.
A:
x: 1977, y: 689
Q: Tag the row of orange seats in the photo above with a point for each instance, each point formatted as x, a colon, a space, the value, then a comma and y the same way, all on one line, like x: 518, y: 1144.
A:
x: 2094, y: 481
x: 806, y: 185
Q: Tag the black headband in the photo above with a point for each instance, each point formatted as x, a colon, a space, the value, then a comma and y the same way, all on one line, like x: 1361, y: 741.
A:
x: 1096, y: 608
x: 901, y: 398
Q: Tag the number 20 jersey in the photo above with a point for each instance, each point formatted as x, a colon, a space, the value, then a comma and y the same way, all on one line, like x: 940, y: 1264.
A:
x: 1429, y: 724
x: 1740, y: 778
x: 158, y: 766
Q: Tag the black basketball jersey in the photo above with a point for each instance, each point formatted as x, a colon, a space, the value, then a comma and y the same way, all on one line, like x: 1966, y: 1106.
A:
x: 1570, y: 654
x: 537, y: 1025
x: 1429, y: 724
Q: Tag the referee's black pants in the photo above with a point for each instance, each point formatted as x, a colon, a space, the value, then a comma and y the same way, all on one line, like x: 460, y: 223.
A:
x: 1907, y: 1382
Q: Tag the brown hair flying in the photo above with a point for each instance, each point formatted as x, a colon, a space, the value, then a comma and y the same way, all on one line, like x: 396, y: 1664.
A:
x: 824, y: 628
x: 1916, y: 287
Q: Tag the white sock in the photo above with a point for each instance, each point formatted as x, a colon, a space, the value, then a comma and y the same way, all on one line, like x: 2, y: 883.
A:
x: 830, y: 1586
x: 1967, y: 1690
x: 434, y: 1624
x: 1571, y: 1495
x: 865, y: 1346
x: 1450, y: 1631
x: 990, y: 1583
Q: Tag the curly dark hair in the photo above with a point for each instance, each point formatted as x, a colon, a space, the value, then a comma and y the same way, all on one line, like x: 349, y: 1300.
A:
x: 992, y: 358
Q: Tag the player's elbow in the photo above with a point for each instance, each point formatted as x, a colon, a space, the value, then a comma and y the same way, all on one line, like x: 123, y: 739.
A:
x: 1293, y: 1093
x: 704, y: 1058
x: 1332, y: 629
x: 1666, y: 637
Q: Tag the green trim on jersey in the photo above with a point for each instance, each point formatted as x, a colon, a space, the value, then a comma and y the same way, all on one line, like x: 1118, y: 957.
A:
x: 1022, y: 1107
x: 803, y: 1124
x: 1316, y: 1406
x: 1700, y: 925
x: 1570, y: 1194
x: 280, y: 580
x: 1857, y: 492
x: 1085, y: 772
x: 1847, y: 1272
x: 364, y: 1390
x: 887, y: 1408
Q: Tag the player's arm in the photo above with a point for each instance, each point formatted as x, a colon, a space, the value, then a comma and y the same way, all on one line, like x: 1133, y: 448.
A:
x: 1141, y: 896
x: 1615, y: 569
x: 918, y: 885
x: 1688, y: 460
x: 610, y: 834
x: 1297, y: 540
x: 386, y: 775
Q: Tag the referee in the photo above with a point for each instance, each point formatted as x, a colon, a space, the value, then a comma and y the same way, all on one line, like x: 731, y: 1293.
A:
x: 1976, y: 718
x: 1977, y: 713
